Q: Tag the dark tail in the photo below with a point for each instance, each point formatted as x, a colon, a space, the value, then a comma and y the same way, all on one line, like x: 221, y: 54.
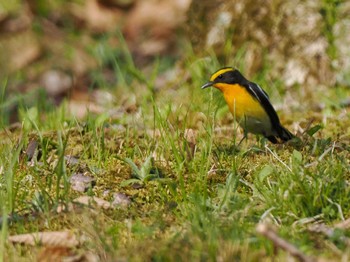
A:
x: 282, y: 133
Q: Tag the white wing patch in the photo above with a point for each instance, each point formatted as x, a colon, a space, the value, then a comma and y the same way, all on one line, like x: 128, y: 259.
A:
x: 260, y: 89
x: 255, y: 94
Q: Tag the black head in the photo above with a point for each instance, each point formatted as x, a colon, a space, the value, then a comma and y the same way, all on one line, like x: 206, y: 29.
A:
x: 226, y: 75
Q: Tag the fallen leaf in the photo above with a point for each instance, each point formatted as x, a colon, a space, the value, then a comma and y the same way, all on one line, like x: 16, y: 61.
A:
x: 15, y: 23
x: 81, y: 182
x: 151, y: 34
x: 71, y: 160
x: 190, y: 135
x: 90, y: 257
x: 120, y: 199
x: 190, y: 147
x: 53, y: 254
x: 90, y: 201
x: 103, y: 98
x: 49, y: 254
x: 80, y: 109
x: 55, y: 238
x: 97, y: 17
x: 345, y: 224
x: 31, y: 148
x: 64, y: 207
x: 25, y: 44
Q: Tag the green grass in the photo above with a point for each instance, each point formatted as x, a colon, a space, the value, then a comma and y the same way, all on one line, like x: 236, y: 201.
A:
x: 201, y: 207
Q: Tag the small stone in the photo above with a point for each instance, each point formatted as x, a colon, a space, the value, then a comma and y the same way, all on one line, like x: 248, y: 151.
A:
x: 106, y: 193
x: 120, y: 199
x: 31, y: 148
x: 136, y: 186
x: 103, y: 98
x: 71, y: 160
x: 56, y: 82
x: 81, y: 182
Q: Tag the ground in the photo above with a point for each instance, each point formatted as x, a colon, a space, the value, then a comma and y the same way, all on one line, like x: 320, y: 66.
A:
x: 138, y: 163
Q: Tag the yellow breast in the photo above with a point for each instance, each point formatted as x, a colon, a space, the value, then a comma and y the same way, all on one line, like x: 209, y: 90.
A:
x: 240, y: 102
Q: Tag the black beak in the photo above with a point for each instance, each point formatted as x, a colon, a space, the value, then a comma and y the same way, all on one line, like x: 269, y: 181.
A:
x: 207, y: 85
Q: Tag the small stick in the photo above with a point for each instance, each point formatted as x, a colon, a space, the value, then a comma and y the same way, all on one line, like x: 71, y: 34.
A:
x: 275, y: 156
x: 345, y: 224
x: 269, y: 233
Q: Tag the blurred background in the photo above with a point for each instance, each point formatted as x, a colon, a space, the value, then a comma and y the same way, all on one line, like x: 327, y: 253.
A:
x: 84, y: 51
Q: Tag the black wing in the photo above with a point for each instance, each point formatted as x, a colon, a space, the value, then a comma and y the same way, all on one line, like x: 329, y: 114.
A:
x: 257, y: 92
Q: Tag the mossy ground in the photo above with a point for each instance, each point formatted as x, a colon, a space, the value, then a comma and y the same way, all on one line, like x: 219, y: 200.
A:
x: 202, y: 206
x: 172, y: 149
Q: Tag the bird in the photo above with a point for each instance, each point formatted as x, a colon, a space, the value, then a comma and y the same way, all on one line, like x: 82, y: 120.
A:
x: 249, y: 104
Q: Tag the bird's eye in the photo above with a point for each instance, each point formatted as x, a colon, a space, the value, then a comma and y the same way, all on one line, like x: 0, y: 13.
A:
x: 220, y: 76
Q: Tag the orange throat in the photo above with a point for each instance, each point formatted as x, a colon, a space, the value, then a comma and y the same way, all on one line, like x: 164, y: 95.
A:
x: 240, y: 102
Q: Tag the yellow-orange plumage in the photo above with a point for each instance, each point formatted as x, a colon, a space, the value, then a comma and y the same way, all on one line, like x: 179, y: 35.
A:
x: 249, y: 104
x: 240, y: 102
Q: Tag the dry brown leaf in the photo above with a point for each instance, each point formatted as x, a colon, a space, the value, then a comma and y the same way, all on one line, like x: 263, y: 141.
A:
x: 55, y: 238
x: 31, y: 148
x: 52, y: 254
x: 81, y: 108
x: 98, y: 102
x: 90, y: 257
x: 64, y: 208
x: 155, y: 133
x: 81, y: 62
x: 345, y: 224
x: 86, y: 201
x: 15, y: 23
x: 190, y: 136
x: 90, y: 201
x: 159, y: 30
x: 97, y: 17
x: 82, y: 182
x: 120, y: 200
x: 21, y: 50
x: 59, y: 254
x: 71, y: 160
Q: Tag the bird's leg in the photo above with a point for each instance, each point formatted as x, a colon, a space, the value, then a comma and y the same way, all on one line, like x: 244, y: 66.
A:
x: 245, y: 136
x: 260, y: 141
x: 245, y: 132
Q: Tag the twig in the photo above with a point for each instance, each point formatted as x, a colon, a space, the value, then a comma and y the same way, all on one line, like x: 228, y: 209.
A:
x: 275, y: 156
x: 345, y: 224
x: 330, y: 149
x: 338, y: 206
x: 328, y: 231
x: 269, y: 233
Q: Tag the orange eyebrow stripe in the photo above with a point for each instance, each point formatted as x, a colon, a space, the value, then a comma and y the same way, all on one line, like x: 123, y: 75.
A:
x: 221, y: 71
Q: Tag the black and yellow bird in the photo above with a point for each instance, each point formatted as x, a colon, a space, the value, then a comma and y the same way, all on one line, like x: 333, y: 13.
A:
x: 249, y: 104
